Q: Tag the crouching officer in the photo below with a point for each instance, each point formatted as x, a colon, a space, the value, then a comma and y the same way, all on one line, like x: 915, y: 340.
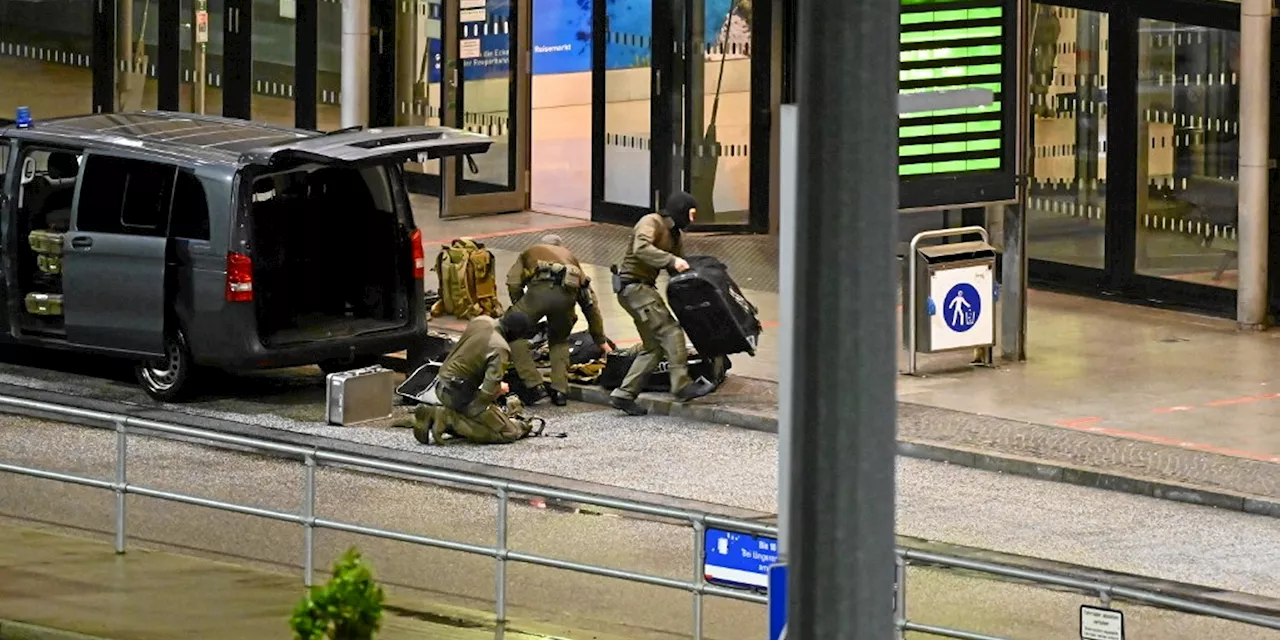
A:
x: 547, y: 281
x: 470, y: 383
x: 655, y: 246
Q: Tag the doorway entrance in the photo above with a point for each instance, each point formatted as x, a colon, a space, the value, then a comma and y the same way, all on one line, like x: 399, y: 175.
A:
x: 1135, y: 128
x: 681, y: 100
x: 466, y: 64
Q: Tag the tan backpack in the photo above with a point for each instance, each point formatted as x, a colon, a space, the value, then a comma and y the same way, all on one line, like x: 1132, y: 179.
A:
x: 467, y: 274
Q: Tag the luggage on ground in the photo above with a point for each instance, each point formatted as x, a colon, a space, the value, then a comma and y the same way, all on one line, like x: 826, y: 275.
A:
x: 617, y: 363
x: 711, y: 309
x: 582, y: 349
x: 468, y: 283
x: 420, y: 386
x: 358, y: 395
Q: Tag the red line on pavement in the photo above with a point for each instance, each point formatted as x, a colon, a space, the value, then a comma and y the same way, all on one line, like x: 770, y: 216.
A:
x: 1088, y: 425
x: 511, y: 232
x: 1224, y: 403
x: 1076, y: 422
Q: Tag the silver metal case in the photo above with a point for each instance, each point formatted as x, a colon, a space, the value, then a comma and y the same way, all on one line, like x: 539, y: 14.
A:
x: 359, y: 395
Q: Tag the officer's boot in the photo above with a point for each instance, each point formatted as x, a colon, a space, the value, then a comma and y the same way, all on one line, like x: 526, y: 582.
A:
x: 558, y: 398
x: 428, y: 428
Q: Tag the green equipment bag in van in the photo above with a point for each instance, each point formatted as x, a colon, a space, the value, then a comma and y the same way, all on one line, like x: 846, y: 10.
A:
x: 468, y: 281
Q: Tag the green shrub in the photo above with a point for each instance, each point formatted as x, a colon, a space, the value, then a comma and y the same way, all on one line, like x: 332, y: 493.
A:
x: 349, y: 607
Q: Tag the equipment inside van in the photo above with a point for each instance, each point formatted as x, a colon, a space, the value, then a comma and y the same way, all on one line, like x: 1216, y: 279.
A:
x: 322, y: 267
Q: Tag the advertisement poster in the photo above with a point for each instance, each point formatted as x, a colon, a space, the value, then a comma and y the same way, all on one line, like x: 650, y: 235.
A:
x: 562, y: 36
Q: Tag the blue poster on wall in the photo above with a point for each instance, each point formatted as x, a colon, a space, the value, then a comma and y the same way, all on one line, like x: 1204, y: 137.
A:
x: 562, y: 36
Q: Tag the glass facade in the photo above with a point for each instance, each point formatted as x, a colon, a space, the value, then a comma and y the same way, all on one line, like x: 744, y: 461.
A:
x: 1188, y: 152
x: 47, y: 49
x: 1067, y: 202
x: 1134, y: 183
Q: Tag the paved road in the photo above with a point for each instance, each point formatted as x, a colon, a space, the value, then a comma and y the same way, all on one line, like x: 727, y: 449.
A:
x: 969, y: 507
x: 731, y: 466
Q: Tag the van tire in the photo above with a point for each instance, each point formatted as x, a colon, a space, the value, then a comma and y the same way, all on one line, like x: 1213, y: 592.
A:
x: 168, y: 380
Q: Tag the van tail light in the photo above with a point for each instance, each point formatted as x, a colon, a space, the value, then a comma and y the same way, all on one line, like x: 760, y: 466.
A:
x: 239, y: 278
x: 419, y: 255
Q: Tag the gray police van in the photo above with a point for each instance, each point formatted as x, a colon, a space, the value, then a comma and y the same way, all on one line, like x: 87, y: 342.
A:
x: 184, y: 241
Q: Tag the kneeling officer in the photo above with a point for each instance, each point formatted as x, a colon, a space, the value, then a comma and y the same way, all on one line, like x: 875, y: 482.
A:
x: 547, y: 281
x: 470, y: 383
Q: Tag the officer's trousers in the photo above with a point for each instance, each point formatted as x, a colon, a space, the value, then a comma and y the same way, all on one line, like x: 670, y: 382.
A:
x: 556, y: 304
x: 660, y: 335
x: 481, y: 425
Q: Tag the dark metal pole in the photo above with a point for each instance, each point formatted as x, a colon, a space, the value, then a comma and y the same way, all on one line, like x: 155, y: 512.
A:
x: 845, y: 369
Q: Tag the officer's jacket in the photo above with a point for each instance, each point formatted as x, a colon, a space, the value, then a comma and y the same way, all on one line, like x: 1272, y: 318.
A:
x: 533, y: 264
x: 478, y: 362
x: 654, y: 247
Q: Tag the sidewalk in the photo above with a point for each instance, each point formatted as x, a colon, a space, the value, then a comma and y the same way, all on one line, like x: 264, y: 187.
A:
x: 55, y: 587
x: 1127, y: 397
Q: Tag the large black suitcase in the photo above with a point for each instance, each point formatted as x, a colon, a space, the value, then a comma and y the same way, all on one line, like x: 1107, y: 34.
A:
x: 617, y: 363
x: 712, y: 310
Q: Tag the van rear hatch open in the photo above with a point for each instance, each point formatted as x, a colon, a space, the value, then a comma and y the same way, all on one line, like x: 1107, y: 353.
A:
x: 328, y: 247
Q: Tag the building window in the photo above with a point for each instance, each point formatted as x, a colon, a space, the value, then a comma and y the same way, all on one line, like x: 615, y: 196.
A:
x: 1188, y: 153
x: 1067, y: 205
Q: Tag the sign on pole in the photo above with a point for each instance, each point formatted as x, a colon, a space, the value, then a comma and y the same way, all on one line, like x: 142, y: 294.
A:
x: 738, y: 560
x: 778, y: 601
x: 202, y: 27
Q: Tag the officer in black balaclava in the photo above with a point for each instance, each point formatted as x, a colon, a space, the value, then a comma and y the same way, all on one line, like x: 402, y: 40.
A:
x: 656, y: 246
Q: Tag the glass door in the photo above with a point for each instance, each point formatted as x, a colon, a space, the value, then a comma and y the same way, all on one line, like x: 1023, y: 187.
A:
x: 486, y: 68
x: 626, y: 87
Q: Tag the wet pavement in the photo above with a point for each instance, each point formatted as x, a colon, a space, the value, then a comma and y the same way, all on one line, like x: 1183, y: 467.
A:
x: 1217, y: 549
x: 1130, y: 391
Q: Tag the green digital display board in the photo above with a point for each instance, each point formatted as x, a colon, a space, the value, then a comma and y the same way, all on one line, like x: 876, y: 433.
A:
x: 957, y: 156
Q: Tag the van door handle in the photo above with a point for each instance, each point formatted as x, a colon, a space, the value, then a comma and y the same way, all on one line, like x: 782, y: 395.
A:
x: 81, y: 242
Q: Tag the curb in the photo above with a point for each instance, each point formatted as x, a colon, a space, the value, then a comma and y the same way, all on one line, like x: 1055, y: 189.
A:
x: 658, y: 405
x: 977, y: 459
x: 13, y: 630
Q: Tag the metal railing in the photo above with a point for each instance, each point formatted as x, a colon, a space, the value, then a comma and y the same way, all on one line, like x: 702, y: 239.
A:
x: 501, y: 552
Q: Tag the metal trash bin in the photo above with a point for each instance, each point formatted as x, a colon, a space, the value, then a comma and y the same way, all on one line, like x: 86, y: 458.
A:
x: 949, y: 304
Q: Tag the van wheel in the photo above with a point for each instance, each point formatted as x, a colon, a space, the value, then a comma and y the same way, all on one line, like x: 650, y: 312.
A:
x: 166, y: 379
x: 338, y: 366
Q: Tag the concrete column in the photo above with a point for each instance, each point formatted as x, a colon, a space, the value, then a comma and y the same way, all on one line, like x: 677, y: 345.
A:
x: 1255, y: 133
x: 355, y: 63
x: 199, y: 70
x: 406, y: 61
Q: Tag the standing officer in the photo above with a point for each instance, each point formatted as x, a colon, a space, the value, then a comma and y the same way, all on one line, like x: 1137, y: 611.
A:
x: 546, y: 281
x: 656, y: 245
x: 470, y: 383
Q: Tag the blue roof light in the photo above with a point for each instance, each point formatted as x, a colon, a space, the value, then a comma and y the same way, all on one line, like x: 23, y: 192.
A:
x: 24, y: 117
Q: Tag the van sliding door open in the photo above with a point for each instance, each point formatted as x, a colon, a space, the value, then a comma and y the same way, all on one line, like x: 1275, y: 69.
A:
x: 113, y: 268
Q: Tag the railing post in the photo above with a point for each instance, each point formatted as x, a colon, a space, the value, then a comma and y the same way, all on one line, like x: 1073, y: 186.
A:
x: 122, y: 479
x: 900, y: 596
x: 501, y: 577
x: 697, y: 579
x: 1104, y: 596
x: 308, y: 523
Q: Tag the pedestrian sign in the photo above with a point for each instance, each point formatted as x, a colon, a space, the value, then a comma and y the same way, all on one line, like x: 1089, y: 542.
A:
x: 962, y: 307
x: 778, y: 601
x: 963, y: 299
